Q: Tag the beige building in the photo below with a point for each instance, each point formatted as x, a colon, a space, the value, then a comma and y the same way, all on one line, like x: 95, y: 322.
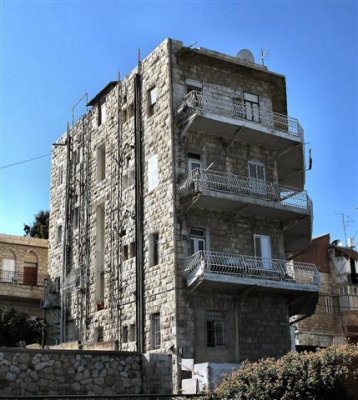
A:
x: 23, y: 262
x: 177, y: 202
x: 336, y: 318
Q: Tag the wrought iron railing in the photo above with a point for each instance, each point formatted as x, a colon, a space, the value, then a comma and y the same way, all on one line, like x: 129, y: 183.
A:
x: 21, y: 278
x: 200, y: 179
x: 197, y: 101
x: 216, y: 263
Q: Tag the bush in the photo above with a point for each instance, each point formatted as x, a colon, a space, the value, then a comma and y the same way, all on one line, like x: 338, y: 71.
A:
x: 16, y: 326
x: 329, y: 374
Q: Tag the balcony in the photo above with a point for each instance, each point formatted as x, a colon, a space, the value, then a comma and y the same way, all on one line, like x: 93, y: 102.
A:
x: 227, y: 192
x: 19, y: 284
x: 233, y: 272
x: 221, y: 116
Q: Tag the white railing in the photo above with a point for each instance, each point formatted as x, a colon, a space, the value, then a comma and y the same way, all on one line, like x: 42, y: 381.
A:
x: 197, y: 101
x: 200, y: 179
x: 216, y: 263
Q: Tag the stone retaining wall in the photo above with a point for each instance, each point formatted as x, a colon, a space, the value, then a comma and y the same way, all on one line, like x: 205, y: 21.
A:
x: 49, y: 372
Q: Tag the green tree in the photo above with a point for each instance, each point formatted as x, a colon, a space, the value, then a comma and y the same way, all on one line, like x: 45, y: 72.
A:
x: 16, y: 326
x: 39, y: 228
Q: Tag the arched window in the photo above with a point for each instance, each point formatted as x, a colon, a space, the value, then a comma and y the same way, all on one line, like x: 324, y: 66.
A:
x: 30, y: 269
x: 8, y: 266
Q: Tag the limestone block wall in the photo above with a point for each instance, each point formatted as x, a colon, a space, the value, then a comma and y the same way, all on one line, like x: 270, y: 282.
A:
x: 46, y: 372
x: 263, y: 327
x: 115, y: 316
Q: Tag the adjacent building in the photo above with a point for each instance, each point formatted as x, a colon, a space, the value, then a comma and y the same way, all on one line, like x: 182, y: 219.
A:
x: 336, y: 318
x: 23, y: 263
x: 177, y: 204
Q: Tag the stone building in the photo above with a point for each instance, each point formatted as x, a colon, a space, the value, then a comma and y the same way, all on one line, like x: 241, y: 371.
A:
x: 177, y: 203
x: 336, y: 318
x: 23, y: 269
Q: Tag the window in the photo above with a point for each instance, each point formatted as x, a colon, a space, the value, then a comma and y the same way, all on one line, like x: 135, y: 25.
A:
x: 8, y: 269
x: 124, y: 115
x: 252, y: 111
x: 102, y: 113
x: 132, y: 250
x: 197, y: 240
x: 101, y: 162
x: 132, y: 333
x: 100, y: 246
x: 193, y: 85
x: 99, y: 334
x: 59, y: 234
x: 130, y: 110
x: 125, y: 252
x: 262, y: 246
x: 257, y: 179
x: 152, y: 100
x: 75, y: 217
x: 194, y: 161
x: 328, y: 304
x: 155, y: 328
x: 215, y: 324
x: 60, y: 175
x: 153, y: 176
x: 154, y: 248
x: 125, y: 334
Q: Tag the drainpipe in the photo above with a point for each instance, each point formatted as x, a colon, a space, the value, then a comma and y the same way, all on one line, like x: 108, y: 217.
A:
x: 139, y: 211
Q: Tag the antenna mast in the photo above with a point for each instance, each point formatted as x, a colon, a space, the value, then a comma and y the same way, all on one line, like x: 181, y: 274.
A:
x: 345, y: 222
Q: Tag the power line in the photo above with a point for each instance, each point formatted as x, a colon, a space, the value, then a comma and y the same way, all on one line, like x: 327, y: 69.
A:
x: 25, y: 161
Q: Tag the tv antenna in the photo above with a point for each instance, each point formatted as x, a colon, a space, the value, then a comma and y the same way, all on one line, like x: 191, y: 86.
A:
x: 345, y: 222
x: 264, y: 54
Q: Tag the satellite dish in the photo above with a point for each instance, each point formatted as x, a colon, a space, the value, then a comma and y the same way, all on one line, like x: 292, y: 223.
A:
x: 337, y: 243
x: 246, y: 55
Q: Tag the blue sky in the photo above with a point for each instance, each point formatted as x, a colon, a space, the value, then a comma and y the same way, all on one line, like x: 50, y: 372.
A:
x: 52, y: 52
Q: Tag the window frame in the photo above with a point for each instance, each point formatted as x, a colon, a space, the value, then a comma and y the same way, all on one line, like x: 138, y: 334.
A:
x: 250, y: 105
x: 152, y: 98
x: 101, y: 162
x: 155, y: 330
x: 215, y: 328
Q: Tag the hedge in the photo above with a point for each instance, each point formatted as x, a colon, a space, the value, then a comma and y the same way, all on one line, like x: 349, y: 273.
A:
x: 329, y: 374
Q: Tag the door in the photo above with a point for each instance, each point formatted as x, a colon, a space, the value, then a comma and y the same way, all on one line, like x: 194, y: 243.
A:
x: 197, y: 240
x: 252, y: 109
x: 257, y: 178
x: 30, y: 274
x: 263, y: 250
x: 194, y: 161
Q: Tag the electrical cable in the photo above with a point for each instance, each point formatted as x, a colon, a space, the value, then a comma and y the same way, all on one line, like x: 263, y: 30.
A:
x: 24, y: 161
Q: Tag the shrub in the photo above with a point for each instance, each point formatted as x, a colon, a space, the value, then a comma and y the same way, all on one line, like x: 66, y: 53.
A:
x: 329, y: 374
x: 16, y: 326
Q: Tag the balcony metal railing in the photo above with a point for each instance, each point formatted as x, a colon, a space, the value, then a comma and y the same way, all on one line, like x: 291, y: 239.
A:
x: 216, y: 263
x: 21, y: 278
x: 200, y: 179
x: 197, y: 101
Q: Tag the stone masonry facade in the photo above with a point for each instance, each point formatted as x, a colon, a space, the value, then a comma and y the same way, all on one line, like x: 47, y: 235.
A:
x: 23, y: 270
x: 121, y: 233
x: 46, y: 372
